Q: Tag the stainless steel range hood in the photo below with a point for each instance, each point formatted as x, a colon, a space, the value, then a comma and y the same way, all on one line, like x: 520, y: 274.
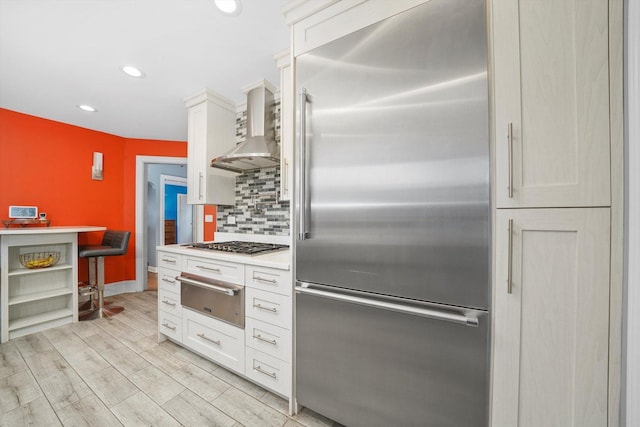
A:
x: 260, y: 149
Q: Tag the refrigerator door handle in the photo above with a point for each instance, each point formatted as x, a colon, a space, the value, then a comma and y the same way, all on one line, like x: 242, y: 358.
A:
x: 302, y: 166
x: 430, y: 313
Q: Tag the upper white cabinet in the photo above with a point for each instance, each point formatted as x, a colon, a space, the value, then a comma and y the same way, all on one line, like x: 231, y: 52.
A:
x: 287, y: 119
x: 551, y: 103
x: 211, y: 133
x: 551, y: 311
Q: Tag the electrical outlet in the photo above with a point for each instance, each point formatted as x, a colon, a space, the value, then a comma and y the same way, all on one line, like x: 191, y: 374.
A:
x: 231, y: 220
x: 208, y: 218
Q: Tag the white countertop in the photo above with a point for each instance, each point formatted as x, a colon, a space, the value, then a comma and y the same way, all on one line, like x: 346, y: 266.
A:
x: 50, y: 230
x: 280, y: 259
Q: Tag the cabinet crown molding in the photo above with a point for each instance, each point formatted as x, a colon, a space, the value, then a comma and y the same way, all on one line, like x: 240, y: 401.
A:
x: 211, y: 96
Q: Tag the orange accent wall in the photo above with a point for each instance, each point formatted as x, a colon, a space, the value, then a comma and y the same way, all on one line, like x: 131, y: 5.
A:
x: 47, y: 164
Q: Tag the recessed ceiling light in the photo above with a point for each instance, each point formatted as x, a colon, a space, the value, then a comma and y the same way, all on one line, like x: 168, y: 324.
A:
x: 132, y: 71
x: 229, y: 7
x: 89, y: 108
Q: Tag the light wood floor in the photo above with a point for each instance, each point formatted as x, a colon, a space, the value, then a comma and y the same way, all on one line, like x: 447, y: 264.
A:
x: 110, y: 372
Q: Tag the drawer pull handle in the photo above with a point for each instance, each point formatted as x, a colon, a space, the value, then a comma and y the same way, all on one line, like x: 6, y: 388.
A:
x: 204, y: 337
x: 261, y: 307
x: 261, y: 338
x: 510, y: 155
x: 168, y: 326
x: 204, y: 267
x: 510, y: 258
x: 262, y: 371
x: 164, y: 279
x: 172, y: 304
x: 262, y: 279
x: 169, y: 260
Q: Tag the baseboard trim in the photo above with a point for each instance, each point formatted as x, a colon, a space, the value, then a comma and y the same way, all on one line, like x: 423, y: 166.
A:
x: 124, y: 287
x: 152, y: 269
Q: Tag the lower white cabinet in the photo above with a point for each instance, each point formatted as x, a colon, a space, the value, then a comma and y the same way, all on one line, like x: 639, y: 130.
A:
x: 551, y: 318
x: 262, y: 350
x: 269, y: 371
x: 221, y: 342
x: 170, y: 326
x: 267, y: 338
x: 268, y: 307
x: 39, y: 298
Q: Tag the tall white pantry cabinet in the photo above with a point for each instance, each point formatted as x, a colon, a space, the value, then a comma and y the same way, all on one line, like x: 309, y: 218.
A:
x: 556, y: 79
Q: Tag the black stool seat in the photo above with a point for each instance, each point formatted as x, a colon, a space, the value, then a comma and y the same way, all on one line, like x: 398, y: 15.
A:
x: 92, y: 251
x: 113, y: 243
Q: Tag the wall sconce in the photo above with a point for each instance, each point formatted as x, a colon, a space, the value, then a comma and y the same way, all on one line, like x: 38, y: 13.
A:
x: 96, y: 169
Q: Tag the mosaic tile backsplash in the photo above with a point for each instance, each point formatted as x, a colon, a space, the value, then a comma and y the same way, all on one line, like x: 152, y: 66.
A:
x: 257, y: 209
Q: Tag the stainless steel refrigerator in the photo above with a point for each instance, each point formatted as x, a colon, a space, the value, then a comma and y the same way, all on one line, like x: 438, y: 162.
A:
x: 392, y: 254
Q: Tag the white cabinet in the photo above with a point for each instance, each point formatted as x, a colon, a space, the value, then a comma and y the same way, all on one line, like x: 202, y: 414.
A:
x: 41, y: 298
x: 262, y: 350
x: 231, y: 272
x: 211, y: 133
x: 268, y: 307
x: 551, y: 308
x: 221, y: 342
x: 321, y: 21
x: 552, y: 68
x: 551, y: 100
x: 169, y: 307
x: 287, y: 121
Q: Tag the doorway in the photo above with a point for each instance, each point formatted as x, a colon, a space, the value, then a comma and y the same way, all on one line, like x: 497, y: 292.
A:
x: 142, y: 242
x: 176, y: 216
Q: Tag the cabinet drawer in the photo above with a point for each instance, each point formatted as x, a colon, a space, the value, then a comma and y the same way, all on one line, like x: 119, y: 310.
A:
x: 269, y: 339
x: 268, y: 307
x: 169, y: 302
x: 167, y: 280
x: 170, y: 326
x: 218, y: 341
x: 169, y: 260
x: 221, y: 270
x: 268, y: 371
x: 268, y: 279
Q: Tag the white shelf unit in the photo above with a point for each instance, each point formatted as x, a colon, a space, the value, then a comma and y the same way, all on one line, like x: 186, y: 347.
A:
x: 32, y: 300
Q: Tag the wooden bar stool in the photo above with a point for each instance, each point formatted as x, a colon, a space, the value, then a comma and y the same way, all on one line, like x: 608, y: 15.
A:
x: 113, y: 243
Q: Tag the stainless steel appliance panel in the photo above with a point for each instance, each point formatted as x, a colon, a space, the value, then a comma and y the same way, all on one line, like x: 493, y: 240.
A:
x: 221, y: 300
x: 365, y: 366
x: 396, y: 157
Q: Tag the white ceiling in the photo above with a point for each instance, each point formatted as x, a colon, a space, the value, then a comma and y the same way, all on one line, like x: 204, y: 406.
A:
x: 56, y: 54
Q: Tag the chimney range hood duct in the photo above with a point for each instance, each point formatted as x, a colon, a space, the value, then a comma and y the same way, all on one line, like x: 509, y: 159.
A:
x: 260, y: 149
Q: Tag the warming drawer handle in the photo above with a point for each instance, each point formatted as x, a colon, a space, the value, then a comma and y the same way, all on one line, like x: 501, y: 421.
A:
x: 204, y: 337
x: 262, y: 371
x: 262, y: 307
x: 400, y: 308
x: 261, y: 338
x: 227, y: 291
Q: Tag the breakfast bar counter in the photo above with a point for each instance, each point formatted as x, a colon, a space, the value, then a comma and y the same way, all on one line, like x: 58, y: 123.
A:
x: 38, y: 278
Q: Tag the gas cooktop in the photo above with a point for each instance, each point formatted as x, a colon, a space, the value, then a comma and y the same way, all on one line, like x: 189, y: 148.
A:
x: 237, y: 247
